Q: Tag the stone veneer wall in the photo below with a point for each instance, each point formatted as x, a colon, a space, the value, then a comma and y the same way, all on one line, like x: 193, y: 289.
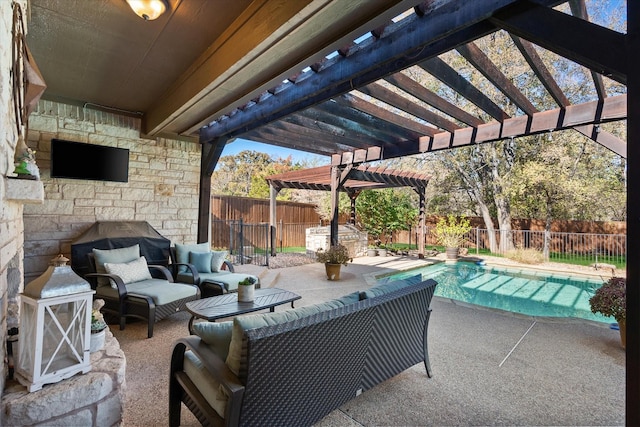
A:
x: 11, y: 225
x: 92, y: 399
x: 162, y: 189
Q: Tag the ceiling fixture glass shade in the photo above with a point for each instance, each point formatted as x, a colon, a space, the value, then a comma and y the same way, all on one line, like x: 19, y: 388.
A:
x: 148, y: 9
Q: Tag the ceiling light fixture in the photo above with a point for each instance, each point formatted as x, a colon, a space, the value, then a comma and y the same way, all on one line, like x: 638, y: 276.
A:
x: 148, y: 9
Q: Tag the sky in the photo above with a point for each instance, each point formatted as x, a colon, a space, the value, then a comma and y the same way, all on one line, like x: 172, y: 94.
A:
x: 274, y: 151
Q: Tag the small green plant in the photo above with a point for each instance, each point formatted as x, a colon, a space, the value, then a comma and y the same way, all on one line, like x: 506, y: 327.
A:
x: 338, y: 254
x: 248, y: 281
x: 611, y: 299
x: 450, y: 231
x: 97, y: 319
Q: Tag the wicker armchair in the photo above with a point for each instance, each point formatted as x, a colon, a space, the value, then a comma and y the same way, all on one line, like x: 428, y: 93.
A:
x: 151, y: 300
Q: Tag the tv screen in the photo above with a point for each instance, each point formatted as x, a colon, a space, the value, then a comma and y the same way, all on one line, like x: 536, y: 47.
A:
x: 77, y: 160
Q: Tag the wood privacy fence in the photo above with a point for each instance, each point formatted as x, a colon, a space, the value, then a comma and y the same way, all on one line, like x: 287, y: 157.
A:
x: 241, y: 224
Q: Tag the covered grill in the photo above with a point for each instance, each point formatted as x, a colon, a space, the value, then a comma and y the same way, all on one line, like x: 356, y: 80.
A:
x: 119, y: 234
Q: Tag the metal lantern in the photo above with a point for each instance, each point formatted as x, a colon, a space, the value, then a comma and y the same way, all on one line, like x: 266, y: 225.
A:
x: 55, y: 327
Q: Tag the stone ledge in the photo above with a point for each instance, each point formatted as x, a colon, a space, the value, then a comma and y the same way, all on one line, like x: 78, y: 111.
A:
x: 97, y: 396
x: 27, y: 191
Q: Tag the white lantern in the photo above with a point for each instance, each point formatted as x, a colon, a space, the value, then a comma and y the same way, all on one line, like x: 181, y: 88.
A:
x: 55, y: 327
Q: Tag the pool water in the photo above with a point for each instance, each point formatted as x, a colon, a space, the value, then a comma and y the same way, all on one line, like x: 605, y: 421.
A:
x: 516, y: 290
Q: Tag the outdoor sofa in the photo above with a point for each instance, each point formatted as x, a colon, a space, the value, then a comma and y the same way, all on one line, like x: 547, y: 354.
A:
x: 205, y: 268
x: 294, y: 367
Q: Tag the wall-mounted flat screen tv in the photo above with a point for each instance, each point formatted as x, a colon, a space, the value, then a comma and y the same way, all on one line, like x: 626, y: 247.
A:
x: 77, y: 160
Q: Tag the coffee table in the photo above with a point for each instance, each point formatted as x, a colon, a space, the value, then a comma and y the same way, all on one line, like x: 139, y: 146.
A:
x: 227, y: 305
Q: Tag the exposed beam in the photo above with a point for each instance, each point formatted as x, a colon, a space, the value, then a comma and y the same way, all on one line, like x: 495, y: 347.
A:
x: 403, y: 103
x: 393, y: 119
x: 541, y: 71
x: 483, y: 64
x: 417, y: 39
x: 590, y: 113
x: 604, y: 138
x: 595, y: 47
x: 450, y: 77
x: 579, y: 10
x: 416, y: 89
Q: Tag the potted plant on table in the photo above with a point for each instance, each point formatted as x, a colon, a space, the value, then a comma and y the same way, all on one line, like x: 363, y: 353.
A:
x: 333, y: 258
x: 450, y: 232
x: 98, y: 327
x: 611, y: 300
x: 246, y: 289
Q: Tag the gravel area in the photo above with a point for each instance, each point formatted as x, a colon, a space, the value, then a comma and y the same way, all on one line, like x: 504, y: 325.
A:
x: 283, y: 260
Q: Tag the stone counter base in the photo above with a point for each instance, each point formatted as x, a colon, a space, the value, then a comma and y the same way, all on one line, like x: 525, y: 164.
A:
x: 92, y: 399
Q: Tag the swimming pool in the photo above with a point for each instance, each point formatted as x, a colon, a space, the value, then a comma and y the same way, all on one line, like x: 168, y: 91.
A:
x: 516, y: 290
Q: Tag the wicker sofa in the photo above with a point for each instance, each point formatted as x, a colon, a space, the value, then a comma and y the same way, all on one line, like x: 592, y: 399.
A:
x: 296, y: 366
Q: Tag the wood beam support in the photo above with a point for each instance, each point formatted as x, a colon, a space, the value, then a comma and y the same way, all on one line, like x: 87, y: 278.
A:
x: 208, y: 161
x: 595, y: 47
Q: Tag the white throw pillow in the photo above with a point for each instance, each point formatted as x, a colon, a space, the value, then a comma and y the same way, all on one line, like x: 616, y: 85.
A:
x: 217, y: 259
x: 129, y: 272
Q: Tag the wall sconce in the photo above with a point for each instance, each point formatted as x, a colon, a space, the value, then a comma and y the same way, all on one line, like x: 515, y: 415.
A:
x: 55, y: 327
x: 148, y: 9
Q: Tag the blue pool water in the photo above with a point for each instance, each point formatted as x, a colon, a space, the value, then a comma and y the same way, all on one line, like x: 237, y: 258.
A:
x: 516, y: 290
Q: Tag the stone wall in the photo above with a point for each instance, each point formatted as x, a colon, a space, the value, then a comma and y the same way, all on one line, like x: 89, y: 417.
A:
x: 162, y: 189
x: 92, y: 399
x: 11, y: 225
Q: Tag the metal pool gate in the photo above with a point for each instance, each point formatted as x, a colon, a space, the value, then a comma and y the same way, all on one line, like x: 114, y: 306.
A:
x: 247, y: 243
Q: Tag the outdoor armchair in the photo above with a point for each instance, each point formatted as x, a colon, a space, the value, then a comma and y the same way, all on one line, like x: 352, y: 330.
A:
x: 133, y: 289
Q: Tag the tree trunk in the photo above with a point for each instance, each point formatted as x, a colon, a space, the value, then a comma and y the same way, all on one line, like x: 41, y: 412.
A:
x: 474, y: 189
x: 503, y: 207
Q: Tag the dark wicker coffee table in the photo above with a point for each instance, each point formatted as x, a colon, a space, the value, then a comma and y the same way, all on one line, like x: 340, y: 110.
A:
x: 227, y: 305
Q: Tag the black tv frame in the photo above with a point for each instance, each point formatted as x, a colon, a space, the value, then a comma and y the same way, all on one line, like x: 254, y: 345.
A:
x: 79, y: 160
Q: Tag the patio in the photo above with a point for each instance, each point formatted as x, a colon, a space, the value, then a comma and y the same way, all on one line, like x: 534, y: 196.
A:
x: 490, y: 368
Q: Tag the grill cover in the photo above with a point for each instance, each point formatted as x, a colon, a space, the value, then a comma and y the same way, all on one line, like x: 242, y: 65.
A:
x: 119, y: 234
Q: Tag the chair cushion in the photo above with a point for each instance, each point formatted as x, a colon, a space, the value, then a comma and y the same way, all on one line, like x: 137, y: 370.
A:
x: 216, y: 334
x: 229, y: 280
x: 115, y: 256
x: 182, y: 253
x: 129, y: 272
x: 201, y: 261
x: 205, y: 382
x: 160, y: 290
x: 217, y: 259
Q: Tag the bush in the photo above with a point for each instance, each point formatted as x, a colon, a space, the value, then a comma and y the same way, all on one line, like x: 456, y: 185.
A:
x: 525, y: 255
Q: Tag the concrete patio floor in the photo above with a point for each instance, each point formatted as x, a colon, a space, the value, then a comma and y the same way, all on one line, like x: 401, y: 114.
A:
x: 490, y: 367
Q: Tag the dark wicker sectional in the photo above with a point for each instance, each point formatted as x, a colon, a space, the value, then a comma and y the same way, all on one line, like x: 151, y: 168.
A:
x: 296, y: 373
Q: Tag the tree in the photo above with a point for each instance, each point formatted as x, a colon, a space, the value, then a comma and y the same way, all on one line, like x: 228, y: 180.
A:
x: 381, y: 212
x: 244, y: 174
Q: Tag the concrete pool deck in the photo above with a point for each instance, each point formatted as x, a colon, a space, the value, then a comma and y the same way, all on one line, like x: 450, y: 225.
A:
x: 490, y: 367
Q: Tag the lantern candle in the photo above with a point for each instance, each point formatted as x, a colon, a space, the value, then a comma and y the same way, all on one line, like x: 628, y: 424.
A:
x: 55, y: 327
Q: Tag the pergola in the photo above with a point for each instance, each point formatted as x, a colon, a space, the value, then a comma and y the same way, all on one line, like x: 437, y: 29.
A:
x: 351, y: 180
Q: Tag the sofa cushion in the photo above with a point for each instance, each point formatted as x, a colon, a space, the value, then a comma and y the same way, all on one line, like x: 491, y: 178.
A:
x: 205, y: 382
x: 385, y: 288
x: 129, y: 272
x: 243, y: 323
x: 182, y: 253
x: 115, y: 256
x: 217, y: 260
x: 160, y: 290
x: 201, y: 261
x: 216, y: 334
